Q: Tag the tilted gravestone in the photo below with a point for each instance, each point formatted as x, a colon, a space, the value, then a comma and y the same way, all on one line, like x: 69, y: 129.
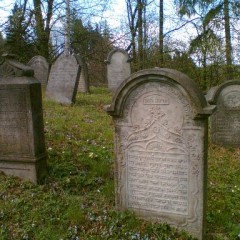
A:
x: 161, y: 121
x: 225, y: 122
x: 63, y: 80
x: 41, y: 69
x: 83, y: 85
x: 22, y: 143
x: 118, y: 68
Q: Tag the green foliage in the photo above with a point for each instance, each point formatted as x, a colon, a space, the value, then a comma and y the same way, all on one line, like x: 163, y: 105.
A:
x: 76, y: 200
x: 18, y: 36
x: 92, y: 43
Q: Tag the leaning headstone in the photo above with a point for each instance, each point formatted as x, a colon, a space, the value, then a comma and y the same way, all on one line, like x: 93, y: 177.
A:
x: 83, y: 86
x: 118, y: 68
x: 41, y: 69
x: 63, y: 80
x: 22, y: 143
x: 225, y: 122
x: 160, y: 120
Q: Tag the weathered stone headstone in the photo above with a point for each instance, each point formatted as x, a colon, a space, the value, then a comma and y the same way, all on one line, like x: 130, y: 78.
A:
x: 22, y: 143
x: 225, y: 122
x: 41, y: 69
x: 161, y: 121
x: 83, y: 85
x: 118, y: 68
x: 63, y: 80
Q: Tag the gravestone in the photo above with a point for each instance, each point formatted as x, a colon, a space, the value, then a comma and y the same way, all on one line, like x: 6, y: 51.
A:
x: 161, y: 121
x: 22, y: 143
x: 41, y: 69
x: 225, y: 122
x: 118, y: 68
x: 83, y: 86
x: 63, y: 80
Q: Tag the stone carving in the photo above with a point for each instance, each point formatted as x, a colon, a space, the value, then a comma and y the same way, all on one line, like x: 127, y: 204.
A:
x: 22, y: 143
x: 63, y: 80
x: 225, y: 121
x: 41, y: 69
x: 160, y: 120
x: 118, y: 68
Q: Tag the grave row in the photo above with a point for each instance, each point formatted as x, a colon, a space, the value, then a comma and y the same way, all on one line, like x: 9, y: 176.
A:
x: 161, y: 134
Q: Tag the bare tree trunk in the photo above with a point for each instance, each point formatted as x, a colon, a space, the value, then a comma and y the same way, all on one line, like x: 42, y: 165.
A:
x: 133, y: 29
x: 161, y: 18
x: 43, y: 34
x: 228, y: 40
x: 67, y: 29
x: 140, y: 34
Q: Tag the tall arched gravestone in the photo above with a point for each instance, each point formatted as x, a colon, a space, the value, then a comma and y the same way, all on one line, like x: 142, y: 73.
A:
x: 63, y: 80
x: 41, y: 69
x: 225, y: 122
x: 22, y: 142
x: 118, y: 68
x: 161, y: 122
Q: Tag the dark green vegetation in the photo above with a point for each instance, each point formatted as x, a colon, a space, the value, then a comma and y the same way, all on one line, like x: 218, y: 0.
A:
x: 76, y: 200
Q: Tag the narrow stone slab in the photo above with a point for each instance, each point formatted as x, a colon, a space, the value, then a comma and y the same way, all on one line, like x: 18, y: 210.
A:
x: 160, y: 120
x: 225, y: 122
x: 118, y: 68
x: 22, y: 142
x: 83, y: 86
x: 41, y: 69
x: 63, y: 80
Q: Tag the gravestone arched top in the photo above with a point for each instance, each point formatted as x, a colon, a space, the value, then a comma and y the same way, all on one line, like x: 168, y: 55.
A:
x: 38, y: 58
x: 63, y: 79
x: 214, y: 92
x: 200, y: 107
x: 225, y: 121
x: 116, y: 50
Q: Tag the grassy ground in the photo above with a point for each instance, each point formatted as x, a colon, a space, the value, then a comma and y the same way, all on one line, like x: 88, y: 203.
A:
x: 76, y: 200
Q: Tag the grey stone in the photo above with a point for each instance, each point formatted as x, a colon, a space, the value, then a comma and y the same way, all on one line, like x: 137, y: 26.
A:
x: 22, y: 142
x: 41, y: 69
x: 225, y: 122
x: 161, y: 121
x: 118, y: 68
x: 83, y: 86
x: 63, y: 80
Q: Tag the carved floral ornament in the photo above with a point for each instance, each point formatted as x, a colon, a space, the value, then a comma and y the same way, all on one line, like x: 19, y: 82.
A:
x: 9, y: 67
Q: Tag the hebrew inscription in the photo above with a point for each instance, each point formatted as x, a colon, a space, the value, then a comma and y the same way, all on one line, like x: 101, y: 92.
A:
x: 158, y: 181
x: 13, y: 121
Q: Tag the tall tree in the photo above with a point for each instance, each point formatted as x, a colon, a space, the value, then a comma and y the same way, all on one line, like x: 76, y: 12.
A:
x: 132, y: 21
x: 161, y: 36
x: 136, y: 11
x: 216, y: 10
x: 228, y: 46
x: 43, y: 25
x: 17, y: 34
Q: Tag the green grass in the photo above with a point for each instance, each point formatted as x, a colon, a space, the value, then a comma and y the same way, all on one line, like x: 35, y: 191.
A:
x: 76, y: 200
